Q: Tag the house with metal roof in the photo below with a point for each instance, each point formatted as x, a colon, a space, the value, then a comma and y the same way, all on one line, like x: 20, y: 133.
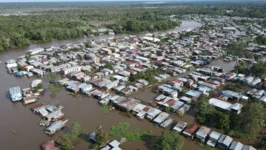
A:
x: 114, y: 145
x: 152, y: 113
x: 202, y: 133
x: 180, y: 126
x: 167, y: 123
x: 128, y: 104
x: 231, y: 94
x: 193, y: 94
x: 224, y: 142
x: 161, y: 117
x: 190, y: 130
x: 213, y: 138
x: 236, y: 146
x: 248, y: 147
x: 225, y: 106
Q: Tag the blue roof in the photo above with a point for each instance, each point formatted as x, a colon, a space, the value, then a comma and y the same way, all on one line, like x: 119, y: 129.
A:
x: 193, y: 93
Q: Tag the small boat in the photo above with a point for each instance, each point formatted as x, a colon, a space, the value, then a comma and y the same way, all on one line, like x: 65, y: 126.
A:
x: 55, y: 126
x: 17, y: 74
x: 15, y: 94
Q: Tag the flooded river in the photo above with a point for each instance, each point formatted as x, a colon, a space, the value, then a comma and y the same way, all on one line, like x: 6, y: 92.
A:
x: 29, y: 135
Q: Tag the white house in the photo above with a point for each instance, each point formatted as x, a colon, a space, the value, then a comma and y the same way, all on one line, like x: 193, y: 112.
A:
x: 66, y: 71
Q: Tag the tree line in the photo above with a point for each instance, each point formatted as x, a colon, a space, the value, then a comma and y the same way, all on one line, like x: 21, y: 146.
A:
x: 247, y: 124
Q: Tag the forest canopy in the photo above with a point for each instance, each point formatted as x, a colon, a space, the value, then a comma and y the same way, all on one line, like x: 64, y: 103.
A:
x: 23, y: 24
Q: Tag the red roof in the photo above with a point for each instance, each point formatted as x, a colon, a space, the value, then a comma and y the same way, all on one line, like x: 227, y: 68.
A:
x: 146, y: 109
x: 191, y: 128
x: 50, y: 145
x: 171, y: 102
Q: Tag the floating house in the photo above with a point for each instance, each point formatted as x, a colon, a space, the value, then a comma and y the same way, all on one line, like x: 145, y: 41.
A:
x: 56, y: 126
x: 180, y: 126
x: 128, y: 104
x: 202, y: 133
x: 141, y: 114
x: 29, y: 100
x: 161, y: 117
x: 114, y: 145
x: 236, y: 146
x: 225, y: 106
x: 248, y: 147
x: 167, y: 122
x: 213, y: 138
x: 15, y: 94
x: 224, y: 142
x: 153, y: 113
x: 54, y: 116
x: 190, y: 130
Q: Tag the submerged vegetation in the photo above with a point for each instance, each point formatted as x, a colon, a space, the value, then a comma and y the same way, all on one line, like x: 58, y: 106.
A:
x: 68, y: 140
x: 123, y: 130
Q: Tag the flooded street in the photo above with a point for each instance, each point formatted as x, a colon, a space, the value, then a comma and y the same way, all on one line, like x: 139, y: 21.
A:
x: 86, y: 111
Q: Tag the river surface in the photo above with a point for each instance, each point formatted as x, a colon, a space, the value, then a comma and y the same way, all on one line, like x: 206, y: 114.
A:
x: 86, y: 111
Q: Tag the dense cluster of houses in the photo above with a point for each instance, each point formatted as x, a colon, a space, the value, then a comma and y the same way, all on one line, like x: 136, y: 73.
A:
x: 104, y: 68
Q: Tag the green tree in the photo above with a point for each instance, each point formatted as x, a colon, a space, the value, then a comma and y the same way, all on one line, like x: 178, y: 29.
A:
x: 223, y: 120
x: 203, y: 109
x: 54, y: 88
x: 119, y: 129
x: 69, y: 139
x: 66, y: 143
x: 261, y: 142
x: 252, y: 119
x: 101, y: 137
x: 169, y: 141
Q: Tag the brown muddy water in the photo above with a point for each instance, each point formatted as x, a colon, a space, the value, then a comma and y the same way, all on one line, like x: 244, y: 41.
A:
x: 86, y: 111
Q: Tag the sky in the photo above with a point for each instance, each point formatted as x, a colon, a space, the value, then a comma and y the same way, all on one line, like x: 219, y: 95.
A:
x: 110, y: 0
x: 85, y: 0
x: 73, y: 0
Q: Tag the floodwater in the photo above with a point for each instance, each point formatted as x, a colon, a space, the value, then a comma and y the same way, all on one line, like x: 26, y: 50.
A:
x: 227, y: 66
x: 86, y: 111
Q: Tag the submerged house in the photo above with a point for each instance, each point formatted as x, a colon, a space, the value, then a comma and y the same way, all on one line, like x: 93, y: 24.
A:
x: 161, y: 117
x: 231, y: 94
x: 202, y: 133
x: 114, y: 145
x: 213, y: 138
x: 153, y: 113
x: 180, y: 126
x: 236, y: 146
x: 190, y: 130
x: 128, y: 104
x: 225, y: 106
x: 224, y: 142
x: 248, y: 147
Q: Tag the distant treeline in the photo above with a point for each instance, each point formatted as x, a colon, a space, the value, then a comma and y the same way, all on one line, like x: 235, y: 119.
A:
x: 45, y: 22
